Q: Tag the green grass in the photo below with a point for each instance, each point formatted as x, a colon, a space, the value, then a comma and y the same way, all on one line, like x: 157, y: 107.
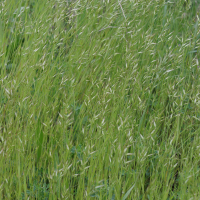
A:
x: 99, y: 99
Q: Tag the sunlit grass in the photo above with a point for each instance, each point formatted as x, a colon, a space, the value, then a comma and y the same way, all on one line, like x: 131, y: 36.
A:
x: 99, y: 99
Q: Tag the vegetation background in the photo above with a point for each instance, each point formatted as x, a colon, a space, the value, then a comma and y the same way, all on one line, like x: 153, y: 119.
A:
x: 99, y: 99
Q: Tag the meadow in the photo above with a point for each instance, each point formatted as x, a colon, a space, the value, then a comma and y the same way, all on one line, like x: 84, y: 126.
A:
x: 99, y: 99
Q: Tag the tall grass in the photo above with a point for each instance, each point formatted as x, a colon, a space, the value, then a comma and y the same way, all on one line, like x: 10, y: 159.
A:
x: 99, y: 99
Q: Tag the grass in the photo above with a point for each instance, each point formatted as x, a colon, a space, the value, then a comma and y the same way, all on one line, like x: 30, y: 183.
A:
x: 99, y: 99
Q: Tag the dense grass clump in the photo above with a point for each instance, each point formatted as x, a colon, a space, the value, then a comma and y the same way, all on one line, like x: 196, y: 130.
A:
x: 99, y: 99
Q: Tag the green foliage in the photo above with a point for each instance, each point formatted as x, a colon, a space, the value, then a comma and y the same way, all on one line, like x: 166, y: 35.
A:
x: 99, y: 99
x: 39, y: 188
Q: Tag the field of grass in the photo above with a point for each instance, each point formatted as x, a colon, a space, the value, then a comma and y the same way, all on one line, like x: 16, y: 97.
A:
x: 99, y: 99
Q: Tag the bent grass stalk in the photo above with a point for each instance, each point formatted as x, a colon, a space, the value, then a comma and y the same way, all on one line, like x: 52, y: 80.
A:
x: 39, y: 139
